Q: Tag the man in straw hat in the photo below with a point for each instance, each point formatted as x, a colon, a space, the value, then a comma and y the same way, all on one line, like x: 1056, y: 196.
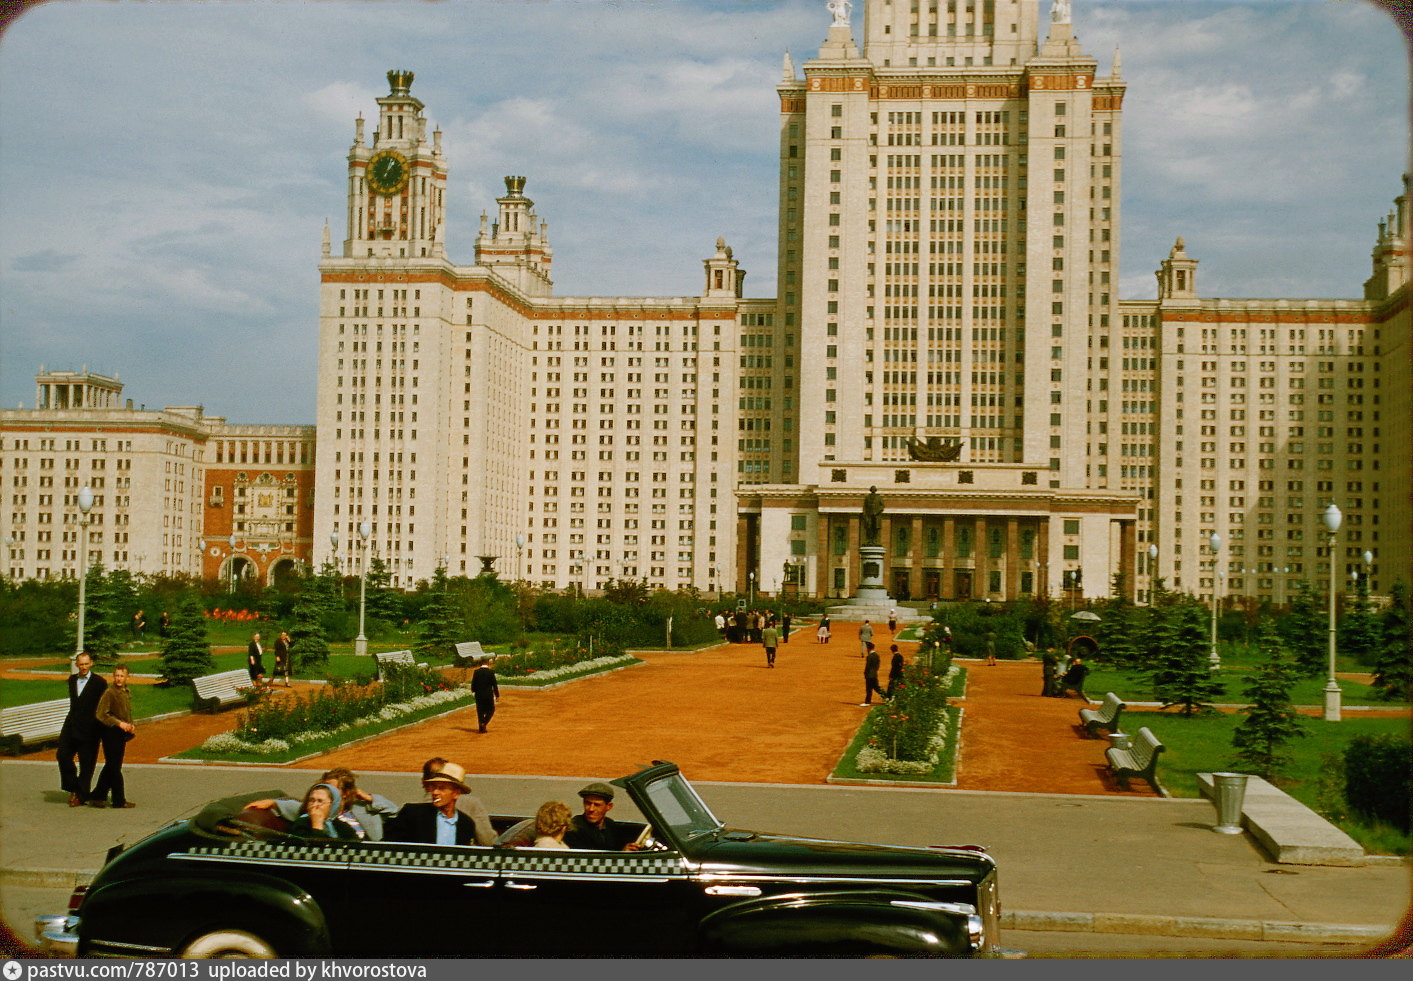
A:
x: 437, y: 822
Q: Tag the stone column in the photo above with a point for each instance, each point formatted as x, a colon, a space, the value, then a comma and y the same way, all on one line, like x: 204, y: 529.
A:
x: 916, y: 551
x: 1042, y: 553
x: 851, y: 579
x: 1128, y: 554
x: 742, y: 559
x: 981, y: 560
x: 824, y: 549
x: 949, y: 551
x: 1012, y: 581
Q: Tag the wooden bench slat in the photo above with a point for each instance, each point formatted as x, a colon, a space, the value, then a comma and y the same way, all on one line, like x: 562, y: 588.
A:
x: 221, y: 689
x: 37, y: 722
x: 1104, y: 717
x: 1139, y: 760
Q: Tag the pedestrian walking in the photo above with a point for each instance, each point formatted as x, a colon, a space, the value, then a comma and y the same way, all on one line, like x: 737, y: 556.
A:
x: 114, y: 717
x: 870, y: 677
x: 1049, y: 674
x: 892, y: 621
x: 865, y: 638
x: 895, y: 671
x: 785, y: 628
x: 770, y: 640
x: 139, y: 625
x: 991, y: 647
x: 255, y: 660
x: 821, y: 635
x: 79, y: 735
x: 164, y: 623
x: 282, y: 643
x: 486, y: 689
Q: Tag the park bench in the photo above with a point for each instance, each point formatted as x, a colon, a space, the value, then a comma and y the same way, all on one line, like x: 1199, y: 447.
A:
x: 1140, y: 759
x: 217, y: 691
x: 1106, y: 716
x: 38, y: 722
x: 388, y: 659
x: 468, y: 652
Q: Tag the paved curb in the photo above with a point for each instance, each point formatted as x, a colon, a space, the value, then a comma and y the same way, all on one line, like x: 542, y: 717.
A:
x: 1151, y: 926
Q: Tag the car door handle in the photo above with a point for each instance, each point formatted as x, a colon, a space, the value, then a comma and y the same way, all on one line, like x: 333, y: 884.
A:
x: 479, y: 885
x: 522, y: 886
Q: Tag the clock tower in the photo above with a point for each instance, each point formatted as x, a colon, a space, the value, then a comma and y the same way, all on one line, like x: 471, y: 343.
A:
x: 396, y: 183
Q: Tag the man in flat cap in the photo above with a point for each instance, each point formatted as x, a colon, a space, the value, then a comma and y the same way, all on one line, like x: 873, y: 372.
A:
x: 594, y: 829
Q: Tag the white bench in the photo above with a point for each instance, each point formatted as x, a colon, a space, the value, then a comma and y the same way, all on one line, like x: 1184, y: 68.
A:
x: 1139, y: 760
x: 1106, y: 716
x: 401, y: 659
x: 217, y: 691
x: 37, y: 722
x: 468, y: 652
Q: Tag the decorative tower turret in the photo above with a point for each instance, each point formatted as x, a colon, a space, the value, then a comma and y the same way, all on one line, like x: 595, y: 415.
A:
x: 517, y: 245
x: 396, y: 185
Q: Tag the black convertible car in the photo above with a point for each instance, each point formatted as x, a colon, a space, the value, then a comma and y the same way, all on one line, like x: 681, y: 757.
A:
x: 223, y: 884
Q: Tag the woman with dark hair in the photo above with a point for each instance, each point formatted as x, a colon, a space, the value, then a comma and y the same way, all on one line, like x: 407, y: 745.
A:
x: 317, y: 815
x: 282, y: 657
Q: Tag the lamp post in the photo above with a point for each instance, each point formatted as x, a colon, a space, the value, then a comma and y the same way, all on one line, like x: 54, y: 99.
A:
x: 334, y: 550
x: 231, y: 543
x: 360, y: 643
x: 1152, y: 570
x: 85, y: 503
x: 1215, y: 541
x: 1368, y: 571
x: 750, y: 590
x: 519, y: 551
x: 1333, y: 518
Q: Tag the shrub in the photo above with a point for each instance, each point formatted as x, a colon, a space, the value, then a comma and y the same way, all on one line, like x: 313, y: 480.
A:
x: 186, y: 654
x: 333, y: 706
x: 906, y: 725
x: 1377, y: 778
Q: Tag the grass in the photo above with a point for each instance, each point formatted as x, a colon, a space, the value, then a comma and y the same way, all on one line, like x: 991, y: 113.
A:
x: 1202, y: 744
x: 1131, y: 686
x: 147, y: 700
x: 944, y: 772
x: 537, y: 681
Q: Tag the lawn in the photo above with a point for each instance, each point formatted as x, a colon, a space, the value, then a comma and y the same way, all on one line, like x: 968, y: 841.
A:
x: 147, y: 700
x: 1202, y: 744
x: 1131, y: 686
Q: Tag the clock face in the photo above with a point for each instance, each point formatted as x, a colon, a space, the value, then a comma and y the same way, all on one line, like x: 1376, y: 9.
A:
x: 387, y: 172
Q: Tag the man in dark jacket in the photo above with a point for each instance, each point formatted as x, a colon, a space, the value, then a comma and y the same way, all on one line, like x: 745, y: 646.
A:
x: 594, y: 828
x: 871, y: 663
x: 486, y: 690
x: 80, y: 732
x: 438, y: 822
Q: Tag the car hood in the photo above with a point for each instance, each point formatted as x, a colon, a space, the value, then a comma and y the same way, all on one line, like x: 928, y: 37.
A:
x: 739, y: 852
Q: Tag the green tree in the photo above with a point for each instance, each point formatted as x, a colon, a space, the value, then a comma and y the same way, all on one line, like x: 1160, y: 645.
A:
x: 1306, y: 630
x: 105, y: 624
x: 308, y: 649
x: 1393, y: 664
x: 442, y: 624
x: 1359, y: 627
x: 186, y: 654
x: 1180, y: 673
x: 384, y: 601
x: 1271, y: 721
x: 1118, y: 632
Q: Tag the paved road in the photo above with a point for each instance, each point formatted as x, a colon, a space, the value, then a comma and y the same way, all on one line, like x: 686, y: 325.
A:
x: 1073, y: 862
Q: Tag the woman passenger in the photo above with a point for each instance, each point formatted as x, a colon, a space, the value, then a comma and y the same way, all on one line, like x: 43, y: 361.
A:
x: 551, y: 822
x: 317, y: 815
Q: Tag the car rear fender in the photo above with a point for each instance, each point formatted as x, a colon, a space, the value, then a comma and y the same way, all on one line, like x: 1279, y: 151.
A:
x: 159, y: 916
x: 844, y: 922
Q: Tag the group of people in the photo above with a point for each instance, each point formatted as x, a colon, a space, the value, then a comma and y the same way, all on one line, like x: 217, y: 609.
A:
x: 872, y: 663
x: 1061, y: 675
x: 139, y: 624
x: 99, y: 717
x: 748, y: 626
x: 255, y: 660
x: 335, y: 807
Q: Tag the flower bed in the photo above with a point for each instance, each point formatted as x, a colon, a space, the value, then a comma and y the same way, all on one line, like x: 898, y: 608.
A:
x: 535, y: 677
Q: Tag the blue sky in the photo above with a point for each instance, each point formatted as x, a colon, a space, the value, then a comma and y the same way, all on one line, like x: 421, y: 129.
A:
x: 166, y: 168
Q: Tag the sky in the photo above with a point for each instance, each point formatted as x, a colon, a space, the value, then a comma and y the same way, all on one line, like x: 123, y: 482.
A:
x: 166, y: 169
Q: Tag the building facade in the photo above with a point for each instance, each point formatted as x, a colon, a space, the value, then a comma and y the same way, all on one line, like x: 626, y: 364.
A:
x: 169, y: 487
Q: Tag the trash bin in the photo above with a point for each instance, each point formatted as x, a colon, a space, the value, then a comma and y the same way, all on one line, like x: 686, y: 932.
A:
x: 1118, y: 740
x: 1230, y: 790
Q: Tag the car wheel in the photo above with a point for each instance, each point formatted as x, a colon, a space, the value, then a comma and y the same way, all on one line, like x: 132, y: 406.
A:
x: 228, y: 945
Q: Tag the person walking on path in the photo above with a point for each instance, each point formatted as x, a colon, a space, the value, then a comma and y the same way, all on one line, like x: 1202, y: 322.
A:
x: 254, y: 660
x: 892, y: 621
x: 721, y: 625
x: 871, y: 677
x: 785, y: 628
x: 895, y: 671
x: 163, y: 623
x: 770, y: 639
x: 486, y: 689
x: 865, y: 638
x: 79, y: 734
x: 114, y: 715
x: 821, y: 635
x: 991, y: 647
x: 1049, y: 675
x: 282, y: 657
x: 139, y: 625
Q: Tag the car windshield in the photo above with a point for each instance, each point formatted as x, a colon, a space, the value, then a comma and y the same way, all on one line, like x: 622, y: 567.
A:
x: 678, y: 805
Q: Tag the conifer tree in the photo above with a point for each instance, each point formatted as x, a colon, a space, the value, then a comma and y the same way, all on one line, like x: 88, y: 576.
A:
x: 1306, y: 629
x: 1180, y: 673
x: 104, y: 625
x: 384, y: 602
x: 1393, y: 666
x: 308, y: 649
x: 186, y: 654
x: 1271, y: 721
x: 1118, y: 630
x: 1359, y: 627
x: 442, y: 624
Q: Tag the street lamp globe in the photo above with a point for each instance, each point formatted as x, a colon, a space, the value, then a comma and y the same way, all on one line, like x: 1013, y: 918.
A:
x: 85, y: 499
x: 1333, y: 518
x: 1216, y: 542
x: 1368, y: 557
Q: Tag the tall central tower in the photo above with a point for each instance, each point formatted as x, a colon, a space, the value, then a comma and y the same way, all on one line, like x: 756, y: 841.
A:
x: 948, y: 234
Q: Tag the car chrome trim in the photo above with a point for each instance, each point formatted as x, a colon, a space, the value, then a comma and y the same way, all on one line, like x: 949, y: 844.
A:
x: 419, y: 869
x: 849, y: 879
x: 569, y: 875
x: 253, y: 860
x: 732, y: 891
x: 961, y: 909
x: 120, y: 945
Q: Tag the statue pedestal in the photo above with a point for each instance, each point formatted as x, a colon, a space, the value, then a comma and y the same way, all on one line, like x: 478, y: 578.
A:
x: 871, y: 600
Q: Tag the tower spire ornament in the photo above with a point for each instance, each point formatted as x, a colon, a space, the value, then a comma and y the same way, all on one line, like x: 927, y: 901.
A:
x: 1060, y: 11
x: 840, y: 9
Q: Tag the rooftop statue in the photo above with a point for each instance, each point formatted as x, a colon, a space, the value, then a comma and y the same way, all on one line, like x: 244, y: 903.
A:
x: 840, y: 9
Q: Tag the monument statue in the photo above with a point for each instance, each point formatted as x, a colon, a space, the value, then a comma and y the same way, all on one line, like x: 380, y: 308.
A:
x: 871, y: 527
x: 840, y: 9
x: 1060, y: 12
